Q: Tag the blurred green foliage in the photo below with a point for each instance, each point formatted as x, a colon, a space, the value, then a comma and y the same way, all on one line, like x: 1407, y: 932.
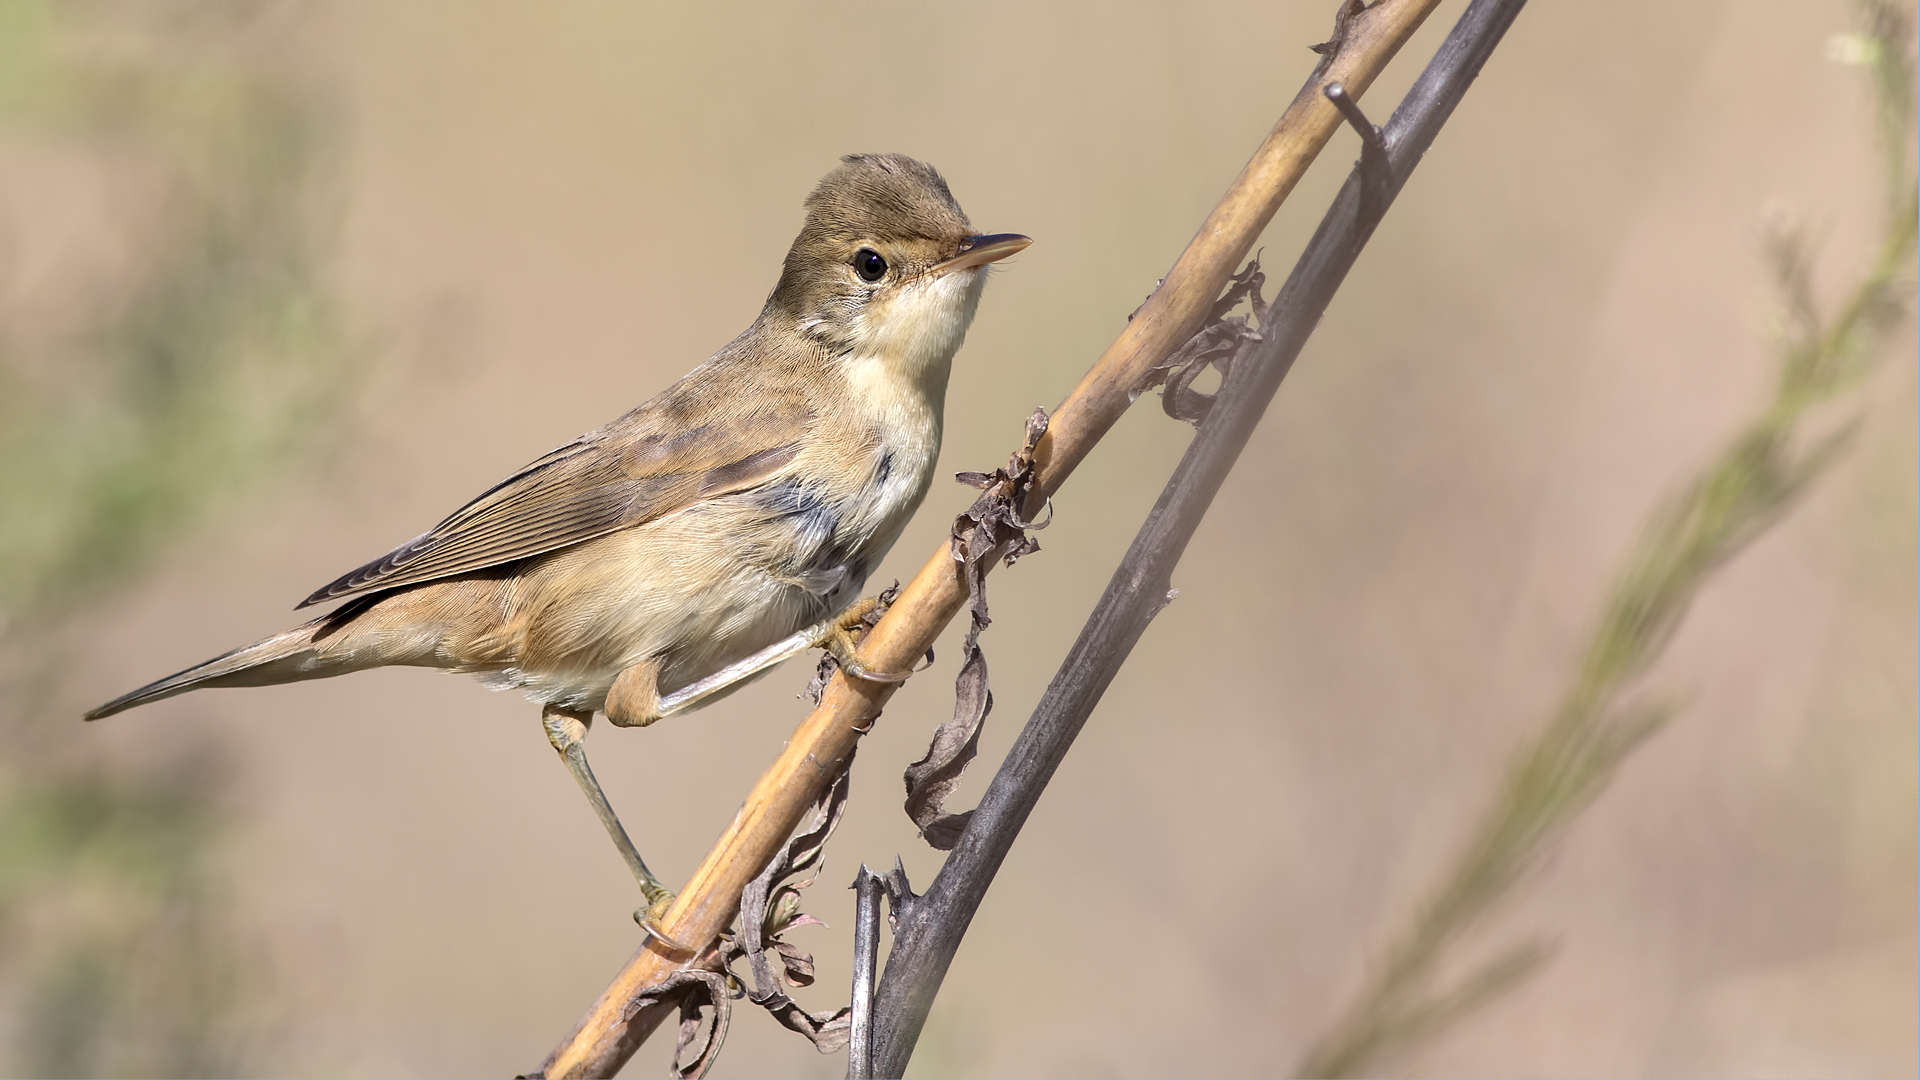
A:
x: 202, y: 359
x: 215, y: 363
x: 1715, y: 514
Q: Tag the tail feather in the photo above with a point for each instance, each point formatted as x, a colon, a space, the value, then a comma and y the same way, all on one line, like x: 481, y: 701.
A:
x: 287, y: 657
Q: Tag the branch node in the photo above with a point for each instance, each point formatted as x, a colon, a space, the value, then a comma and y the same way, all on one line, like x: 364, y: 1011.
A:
x: 1373, y: 150
x: 1342, y: 26
x: 900, y: 895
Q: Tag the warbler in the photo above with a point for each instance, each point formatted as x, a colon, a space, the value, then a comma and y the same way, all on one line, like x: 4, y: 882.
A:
x: 658, y: 562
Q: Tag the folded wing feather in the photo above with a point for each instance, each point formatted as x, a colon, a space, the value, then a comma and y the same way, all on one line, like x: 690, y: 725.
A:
x: 654, y: 461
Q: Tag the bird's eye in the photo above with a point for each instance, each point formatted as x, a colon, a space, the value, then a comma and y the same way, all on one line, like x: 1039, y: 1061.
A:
x: 869, y: 265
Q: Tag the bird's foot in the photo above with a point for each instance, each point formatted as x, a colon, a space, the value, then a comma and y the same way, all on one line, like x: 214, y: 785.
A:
x: 654, y: 914
x: 838, y: 638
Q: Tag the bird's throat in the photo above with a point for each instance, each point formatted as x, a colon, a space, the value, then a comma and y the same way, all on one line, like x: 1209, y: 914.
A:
x: 903, y: 345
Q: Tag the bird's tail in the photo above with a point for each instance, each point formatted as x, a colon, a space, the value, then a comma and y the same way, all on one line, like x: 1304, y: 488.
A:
x: 288, y: 657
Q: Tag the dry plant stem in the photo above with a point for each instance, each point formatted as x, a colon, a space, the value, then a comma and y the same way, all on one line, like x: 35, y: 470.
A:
x: 929, y: 931
x: 866, y: 955
x: 1174, y: 312
x: 607, y: 1035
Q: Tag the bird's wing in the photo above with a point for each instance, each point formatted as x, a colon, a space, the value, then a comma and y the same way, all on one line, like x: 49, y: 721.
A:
x: 662, y: 457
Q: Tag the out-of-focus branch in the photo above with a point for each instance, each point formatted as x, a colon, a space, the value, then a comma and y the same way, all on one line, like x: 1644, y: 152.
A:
x: 1365, y: 39
x: 930, y: 930
x: 1723, y: 507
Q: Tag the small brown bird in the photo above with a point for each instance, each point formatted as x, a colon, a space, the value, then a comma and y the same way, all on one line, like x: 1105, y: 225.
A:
x: 660, y: 561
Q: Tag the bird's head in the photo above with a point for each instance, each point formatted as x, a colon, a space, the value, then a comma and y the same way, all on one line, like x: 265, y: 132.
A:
x: 887, y: 264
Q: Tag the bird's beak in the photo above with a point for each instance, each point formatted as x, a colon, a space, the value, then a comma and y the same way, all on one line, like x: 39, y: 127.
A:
x: 981, y: 250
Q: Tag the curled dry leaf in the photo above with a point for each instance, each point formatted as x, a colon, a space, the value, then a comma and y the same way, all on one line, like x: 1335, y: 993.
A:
x: 700, y: 990
x: 1218, y: 341
x: 992, y: 528
x: 770, y: 906
x: 698, y: 987
x: 701, y: 985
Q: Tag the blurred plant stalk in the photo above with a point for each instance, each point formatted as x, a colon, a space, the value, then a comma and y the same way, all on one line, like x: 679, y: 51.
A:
x: 1717, y: 512
x: 197, y: 361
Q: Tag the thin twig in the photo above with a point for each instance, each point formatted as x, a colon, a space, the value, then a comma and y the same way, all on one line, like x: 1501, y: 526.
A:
x: 929, y: 934
x: 1365, y: 40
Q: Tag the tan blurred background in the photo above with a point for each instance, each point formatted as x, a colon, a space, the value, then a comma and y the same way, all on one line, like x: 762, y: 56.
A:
x: 541, y: 215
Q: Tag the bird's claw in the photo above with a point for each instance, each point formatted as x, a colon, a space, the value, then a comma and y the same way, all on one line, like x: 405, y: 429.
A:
x: 839, y: 642
x: 649, y: 919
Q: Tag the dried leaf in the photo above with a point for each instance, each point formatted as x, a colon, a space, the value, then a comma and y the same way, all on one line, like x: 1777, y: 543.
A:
x: 698, y: 990
x: 804, y: 850
x: 829, y: 1031
x: 1216, y: 344
x: 994, y: 522
x: 955, y: 744
x: 770, y: 906
x: 797, y: 966
x: 704, y: 1039
x: 993, y: 527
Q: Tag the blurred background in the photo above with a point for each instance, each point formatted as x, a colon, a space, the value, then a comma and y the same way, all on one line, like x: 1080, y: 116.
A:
x: 283, y: 284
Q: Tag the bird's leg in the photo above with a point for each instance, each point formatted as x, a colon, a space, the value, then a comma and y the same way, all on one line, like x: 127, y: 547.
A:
x: 567, y: 731
x: 834, y: 634
x: 700, y: 689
